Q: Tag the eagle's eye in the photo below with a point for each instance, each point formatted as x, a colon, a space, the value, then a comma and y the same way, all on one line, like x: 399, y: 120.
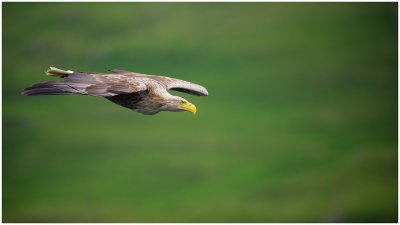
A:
x: 182, y: 102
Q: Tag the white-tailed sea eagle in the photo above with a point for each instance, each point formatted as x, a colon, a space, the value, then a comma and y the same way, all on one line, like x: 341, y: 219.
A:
x: 147, y: 94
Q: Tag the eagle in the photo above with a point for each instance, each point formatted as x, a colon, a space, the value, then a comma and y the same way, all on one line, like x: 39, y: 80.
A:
x: 143, y: 93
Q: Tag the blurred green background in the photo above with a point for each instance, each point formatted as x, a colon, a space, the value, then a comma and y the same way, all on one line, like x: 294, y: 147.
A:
x: 300, y: 124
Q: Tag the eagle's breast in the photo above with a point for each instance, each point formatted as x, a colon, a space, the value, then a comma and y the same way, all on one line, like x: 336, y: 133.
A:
x: 147, y: 102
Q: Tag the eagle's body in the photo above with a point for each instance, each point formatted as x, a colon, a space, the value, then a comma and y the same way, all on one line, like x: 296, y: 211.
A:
x: 142, y: 93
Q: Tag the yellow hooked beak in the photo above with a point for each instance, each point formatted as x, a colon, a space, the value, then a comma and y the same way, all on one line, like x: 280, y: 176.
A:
x: 189, y: 107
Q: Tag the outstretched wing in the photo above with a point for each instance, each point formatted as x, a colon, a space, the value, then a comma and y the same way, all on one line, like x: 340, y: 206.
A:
x: 169, y: 83
x: 89, y: 84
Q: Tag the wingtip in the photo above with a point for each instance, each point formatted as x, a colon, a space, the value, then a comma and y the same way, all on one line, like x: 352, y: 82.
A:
x: 26, y: 92
x: 205, y: 92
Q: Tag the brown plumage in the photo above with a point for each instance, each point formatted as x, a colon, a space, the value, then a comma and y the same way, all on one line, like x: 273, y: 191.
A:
x: 142, y: 93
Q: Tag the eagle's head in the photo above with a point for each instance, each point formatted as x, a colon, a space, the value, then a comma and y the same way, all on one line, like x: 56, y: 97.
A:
x: 176, y: 104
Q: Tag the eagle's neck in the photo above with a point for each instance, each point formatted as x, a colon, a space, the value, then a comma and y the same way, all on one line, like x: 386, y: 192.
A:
x: 158, y: 99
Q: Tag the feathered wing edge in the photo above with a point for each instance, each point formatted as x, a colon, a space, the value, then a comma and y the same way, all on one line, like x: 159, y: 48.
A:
x: 53, y: 88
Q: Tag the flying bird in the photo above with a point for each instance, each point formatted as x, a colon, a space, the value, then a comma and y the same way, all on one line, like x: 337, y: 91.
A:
x: 146, y: 94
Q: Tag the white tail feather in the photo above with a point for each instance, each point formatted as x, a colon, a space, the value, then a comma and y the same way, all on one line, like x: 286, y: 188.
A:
x: 55, y: 72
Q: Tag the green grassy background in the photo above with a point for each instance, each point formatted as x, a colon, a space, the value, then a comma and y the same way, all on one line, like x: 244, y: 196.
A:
x: 300, y: 124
